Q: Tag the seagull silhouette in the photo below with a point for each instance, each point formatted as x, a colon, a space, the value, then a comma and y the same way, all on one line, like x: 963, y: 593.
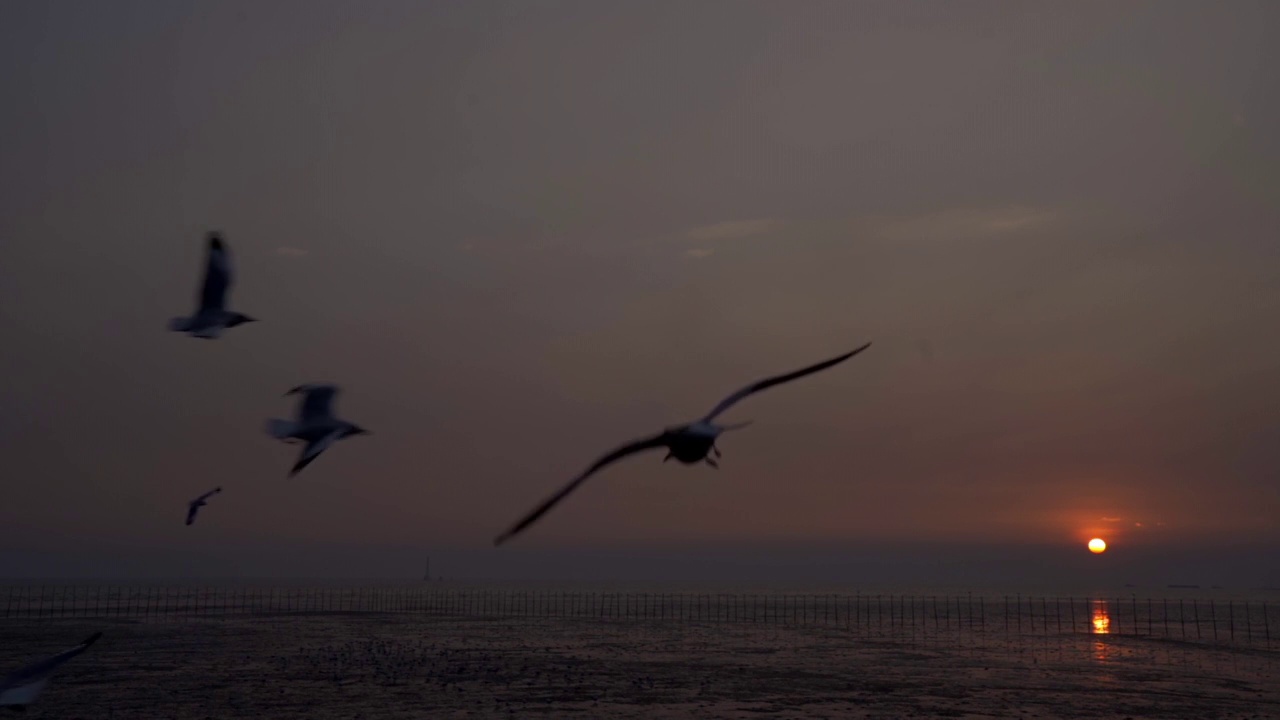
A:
x: 689, y: 443
x: 211, y: 316
x: 22, y: 686
x: 194, y: 506
x: 316, y: 425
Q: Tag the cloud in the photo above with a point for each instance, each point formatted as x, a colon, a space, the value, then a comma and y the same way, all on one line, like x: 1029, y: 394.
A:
x: 699, y: 252
x: 963, y: 223
x: 1138, y: 524
x: 287, y: 251
x: 732, y: 229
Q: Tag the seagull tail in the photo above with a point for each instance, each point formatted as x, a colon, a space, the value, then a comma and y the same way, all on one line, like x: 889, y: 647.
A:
x: 280, y: 429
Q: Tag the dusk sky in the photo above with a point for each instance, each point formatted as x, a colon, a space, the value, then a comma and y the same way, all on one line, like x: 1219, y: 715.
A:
x: 519, y: 234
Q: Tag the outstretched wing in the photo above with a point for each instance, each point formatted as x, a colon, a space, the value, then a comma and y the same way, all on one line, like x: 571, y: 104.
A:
x: 209, y: 494
x: 192, y: 509
x: 23, y: 685
x: 756, y: 387
x: 317, y: 403
x: 635, y: 447
x: 217, y: 275
x: 19, y: 695
x: 312, y: 451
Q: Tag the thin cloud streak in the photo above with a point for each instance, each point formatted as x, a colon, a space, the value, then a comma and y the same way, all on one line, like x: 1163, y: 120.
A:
x: 963, y: 223
x: 732, y: 229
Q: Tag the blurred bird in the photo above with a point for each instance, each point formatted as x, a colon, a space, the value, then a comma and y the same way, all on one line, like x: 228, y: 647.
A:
x: 316, y: 426
x: 194, y: 506
x: 688, y: 443
x: 212, y: 316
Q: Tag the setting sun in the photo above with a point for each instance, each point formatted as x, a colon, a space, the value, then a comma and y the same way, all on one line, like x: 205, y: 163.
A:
x: 1097, y: 545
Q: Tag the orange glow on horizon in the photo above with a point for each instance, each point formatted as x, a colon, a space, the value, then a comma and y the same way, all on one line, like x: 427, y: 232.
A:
x: 1097, y: 546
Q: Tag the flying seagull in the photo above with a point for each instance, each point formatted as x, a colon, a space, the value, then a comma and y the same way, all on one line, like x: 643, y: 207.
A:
x: 22, y: 686
x: 194, y: 506
x: 688, y: 443
x: 212, y: 316
x: 316, y: 426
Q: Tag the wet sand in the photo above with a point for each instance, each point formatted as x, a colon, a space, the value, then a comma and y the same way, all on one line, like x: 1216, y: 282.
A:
x: 364, y: 665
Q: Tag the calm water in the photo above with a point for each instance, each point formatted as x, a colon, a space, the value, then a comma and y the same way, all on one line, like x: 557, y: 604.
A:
x: 1184, y: 615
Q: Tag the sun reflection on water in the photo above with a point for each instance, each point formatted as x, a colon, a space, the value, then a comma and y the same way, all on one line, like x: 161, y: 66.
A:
x: 1101, y: 618
x: 1101, y: 622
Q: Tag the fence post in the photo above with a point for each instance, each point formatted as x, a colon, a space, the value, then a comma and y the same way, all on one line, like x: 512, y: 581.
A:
x: 1266, y: 624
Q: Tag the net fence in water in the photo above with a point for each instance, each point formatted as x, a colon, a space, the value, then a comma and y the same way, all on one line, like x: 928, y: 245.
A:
x: 1237, y: 622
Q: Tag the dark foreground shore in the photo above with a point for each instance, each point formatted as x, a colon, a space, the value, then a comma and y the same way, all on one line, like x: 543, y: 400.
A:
x: 337, y: 665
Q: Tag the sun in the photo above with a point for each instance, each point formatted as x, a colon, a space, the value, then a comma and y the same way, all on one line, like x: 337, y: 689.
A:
x: 1097, y: 546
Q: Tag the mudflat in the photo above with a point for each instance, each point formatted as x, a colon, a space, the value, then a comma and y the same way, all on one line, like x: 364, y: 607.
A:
x: 370, y: 665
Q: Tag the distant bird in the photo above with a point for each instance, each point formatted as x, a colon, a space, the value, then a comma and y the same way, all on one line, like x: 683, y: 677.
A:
x: 194, y: 506
x: 22, y: 686
x: 316, y: 426
x: 688, y: 443
x: 212, y: 316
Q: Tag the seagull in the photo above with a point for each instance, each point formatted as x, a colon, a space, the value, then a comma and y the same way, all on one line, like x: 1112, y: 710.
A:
x: 22, y: 686
x: 212, y: 316
x: 689, y: 443
x: 316, y: 426
x: 194, y: 506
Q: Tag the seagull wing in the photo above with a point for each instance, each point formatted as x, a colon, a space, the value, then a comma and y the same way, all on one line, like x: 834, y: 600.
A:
x: 19, y: 695
x: 23, y: 685
x: 192, y: 509
x: 217, y: 275
x: 635, y: 447
x: 312, y: 451
x: 759, y: 385
x: 209, y: 494
x: 317, y: 403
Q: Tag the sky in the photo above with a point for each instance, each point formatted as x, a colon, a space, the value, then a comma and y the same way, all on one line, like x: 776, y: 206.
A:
x: 520, y: 234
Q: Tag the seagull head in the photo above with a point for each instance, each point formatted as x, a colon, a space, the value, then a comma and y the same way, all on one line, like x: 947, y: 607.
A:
x: 355, y: 430
x: 239, y: 319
